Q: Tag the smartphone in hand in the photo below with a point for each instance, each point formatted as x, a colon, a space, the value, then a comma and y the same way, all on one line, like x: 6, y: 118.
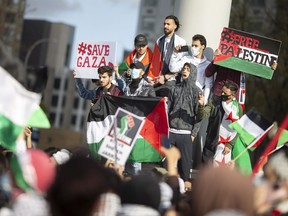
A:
x: 184, y: 49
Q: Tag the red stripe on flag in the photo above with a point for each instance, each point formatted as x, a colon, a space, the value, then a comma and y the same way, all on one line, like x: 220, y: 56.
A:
x: 156, y: 63
x: 272, y: 145
x: 156, y: 125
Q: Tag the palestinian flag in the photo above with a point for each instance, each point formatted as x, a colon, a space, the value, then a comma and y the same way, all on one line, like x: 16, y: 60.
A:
x: 272, y: 145
x: 156, y: 64
x: 17, y: 105
x: 147, y: 58
x: 146, y: 147
x: 283, y: 139
x: 251, y: 128
x: 248, y: 53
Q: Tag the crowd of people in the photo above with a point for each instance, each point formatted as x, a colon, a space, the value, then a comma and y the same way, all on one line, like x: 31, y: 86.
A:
x: 68, y: 182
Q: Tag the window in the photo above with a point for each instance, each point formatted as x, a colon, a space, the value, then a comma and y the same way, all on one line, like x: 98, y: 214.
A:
x: 83, y: 121
x: 76, y: 102
x: 57, y: 83
x: 73, y: 120
x: 64, y: 101
x: 148, y: 23
x: 84, y: 105
x: 54, y: 100
x: 150, y: 3
x: 52, y: 118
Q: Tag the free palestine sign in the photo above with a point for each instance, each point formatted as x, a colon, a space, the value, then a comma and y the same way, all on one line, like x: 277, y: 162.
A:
x: 248, y: 53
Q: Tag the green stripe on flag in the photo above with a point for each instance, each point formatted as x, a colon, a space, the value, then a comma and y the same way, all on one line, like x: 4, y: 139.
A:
x: 143, y: 151
x: 243, y: 162
x: 18, y: 174
x: 283, y: 138
x: 38, y: 119
x: 94, y: 148
x: 245, y: 136
x: 9, y: 133
x: 247, y: 67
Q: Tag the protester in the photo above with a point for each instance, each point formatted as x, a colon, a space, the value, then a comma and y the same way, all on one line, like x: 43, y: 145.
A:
x: 142, y: 53
x: 159, y: 73
x: 197, y: 58
x: 183, y: 122
x: 77, y: 188
x: 222, y: 189
x: 88, y: 94
x: 106, y: 86
x: 220, y: 137
x: 138, y: 86
x: 140, y: 196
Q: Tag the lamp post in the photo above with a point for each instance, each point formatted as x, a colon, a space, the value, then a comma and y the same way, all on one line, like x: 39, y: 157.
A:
x: 35, y: 44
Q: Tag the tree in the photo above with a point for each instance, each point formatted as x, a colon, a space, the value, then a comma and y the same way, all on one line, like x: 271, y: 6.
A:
x: 269, y: 97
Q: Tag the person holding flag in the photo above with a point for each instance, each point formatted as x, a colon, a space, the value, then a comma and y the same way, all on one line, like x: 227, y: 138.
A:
x: 220, y: 137
x: 159, y: 74
x: 142, y: 53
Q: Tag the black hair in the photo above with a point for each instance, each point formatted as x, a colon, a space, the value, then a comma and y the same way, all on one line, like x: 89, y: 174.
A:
x: 201, y: 38
x: 176, y: 20
x: 232, y: 86
x: 94, y: 80
x: 106, y: 69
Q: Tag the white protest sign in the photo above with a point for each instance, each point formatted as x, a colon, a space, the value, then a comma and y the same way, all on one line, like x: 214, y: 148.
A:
x: 127, y: 128
x: 92, y: 55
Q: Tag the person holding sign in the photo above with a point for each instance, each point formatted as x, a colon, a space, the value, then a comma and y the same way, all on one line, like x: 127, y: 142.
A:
x: 106, y: 86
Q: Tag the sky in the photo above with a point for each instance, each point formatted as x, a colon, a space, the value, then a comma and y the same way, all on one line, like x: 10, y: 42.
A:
x: 94, y: 20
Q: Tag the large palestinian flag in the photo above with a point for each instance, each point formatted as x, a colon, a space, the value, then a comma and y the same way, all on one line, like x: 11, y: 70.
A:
x: 246, y: 52
x: 146, y: 147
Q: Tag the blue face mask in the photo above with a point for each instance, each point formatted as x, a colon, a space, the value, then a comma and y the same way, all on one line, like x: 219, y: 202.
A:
x: 135, y: 73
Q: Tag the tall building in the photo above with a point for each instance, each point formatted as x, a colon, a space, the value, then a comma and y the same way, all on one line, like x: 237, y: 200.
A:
x: 11, y: 18
x: 49, y: 44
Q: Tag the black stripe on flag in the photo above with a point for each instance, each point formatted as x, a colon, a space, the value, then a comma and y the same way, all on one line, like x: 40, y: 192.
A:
x: 258, y: 119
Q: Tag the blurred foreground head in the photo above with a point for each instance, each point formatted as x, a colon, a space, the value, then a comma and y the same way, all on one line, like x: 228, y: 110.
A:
x: 222, y: 189
x: 77, y: 187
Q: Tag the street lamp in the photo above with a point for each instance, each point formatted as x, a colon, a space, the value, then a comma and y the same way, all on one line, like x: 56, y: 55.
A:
x: 35, y: 44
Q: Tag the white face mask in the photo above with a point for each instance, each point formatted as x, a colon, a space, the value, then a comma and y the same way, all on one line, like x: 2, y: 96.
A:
x: 195, y: 51
x: 135, y: 73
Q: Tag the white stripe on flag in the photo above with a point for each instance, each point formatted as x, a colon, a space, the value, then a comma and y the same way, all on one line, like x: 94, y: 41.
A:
x: 96, y: 131
x: 259, y: 137
x: 17, y: 103
x: 250, y: 126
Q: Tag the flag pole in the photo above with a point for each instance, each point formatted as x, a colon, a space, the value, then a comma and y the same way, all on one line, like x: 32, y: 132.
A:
x: 270, y: 146
x: 115, y: 140
x: 253, y: 143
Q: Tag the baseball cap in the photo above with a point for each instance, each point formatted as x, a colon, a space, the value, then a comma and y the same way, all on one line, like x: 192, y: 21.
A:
x: 137, y: 65
x: 140, y: 40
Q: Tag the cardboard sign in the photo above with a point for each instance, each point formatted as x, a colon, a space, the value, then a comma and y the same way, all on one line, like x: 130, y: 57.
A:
x: 92, y: 55
x: 127, y: 128
x: 249, y: 53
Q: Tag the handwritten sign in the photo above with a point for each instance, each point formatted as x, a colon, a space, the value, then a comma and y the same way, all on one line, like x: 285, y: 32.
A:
x: 92, y: 55
x: 249, y: 53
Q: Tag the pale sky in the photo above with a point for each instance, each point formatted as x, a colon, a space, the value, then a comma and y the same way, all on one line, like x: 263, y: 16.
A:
x: 94, y: 20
